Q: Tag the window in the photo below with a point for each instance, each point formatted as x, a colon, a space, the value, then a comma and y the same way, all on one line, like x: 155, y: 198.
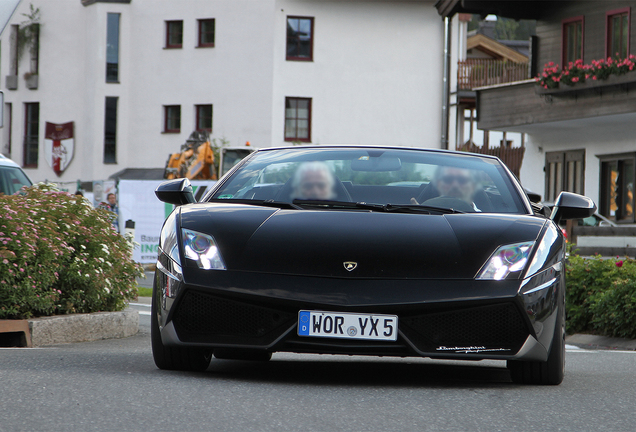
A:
x: 617, y: 186
x: 206, y: 33
x: 8, y: 126
x: 300, y: 38
x: 15, y: 34
x: 35, y: 49
x: 172, y: 118
x: 564, y: 171
x: 110, y: 131
x: 174, y: 34
x: 204, y: 117
x: 31, y: 134
x: 617, y: 36
x: 572, y: 34
x: 112, y: 48
x: 298, y: 119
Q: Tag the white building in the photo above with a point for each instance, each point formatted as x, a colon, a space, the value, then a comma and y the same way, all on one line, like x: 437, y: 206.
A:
x: 136, y: 77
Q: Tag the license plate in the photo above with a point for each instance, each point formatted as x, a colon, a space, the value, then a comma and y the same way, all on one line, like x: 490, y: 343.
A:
x: 347, y: 325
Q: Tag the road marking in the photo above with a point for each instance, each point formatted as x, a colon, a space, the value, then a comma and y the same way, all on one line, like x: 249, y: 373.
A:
x: 25, y: 348
x: 573, y: 347
x: 144, y: 313
x: 139, y: 304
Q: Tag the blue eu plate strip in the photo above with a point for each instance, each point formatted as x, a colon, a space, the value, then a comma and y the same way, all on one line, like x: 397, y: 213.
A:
x: 303, y: 323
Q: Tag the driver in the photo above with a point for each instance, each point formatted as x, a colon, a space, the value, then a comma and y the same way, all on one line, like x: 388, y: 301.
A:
x: 313, y: 180
x: 453, y: 184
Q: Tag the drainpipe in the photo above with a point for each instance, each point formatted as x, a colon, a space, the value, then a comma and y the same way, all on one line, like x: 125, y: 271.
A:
x: 446, y: 82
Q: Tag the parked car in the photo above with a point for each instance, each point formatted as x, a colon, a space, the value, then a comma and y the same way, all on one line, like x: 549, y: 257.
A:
x: 363, y: 251
x: 596, y: 220
x: 12, y: 178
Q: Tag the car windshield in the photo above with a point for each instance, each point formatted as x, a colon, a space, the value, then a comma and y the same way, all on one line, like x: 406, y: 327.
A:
x: 12, y: 179
x: 368, y: 178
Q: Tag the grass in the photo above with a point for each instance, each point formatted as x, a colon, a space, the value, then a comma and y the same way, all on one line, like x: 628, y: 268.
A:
x: 144, y: 292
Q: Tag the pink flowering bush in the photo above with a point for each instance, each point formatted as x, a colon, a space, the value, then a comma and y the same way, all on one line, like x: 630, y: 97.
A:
x: 601, y: 295
x: 577, y: 72
x: 60, y: 255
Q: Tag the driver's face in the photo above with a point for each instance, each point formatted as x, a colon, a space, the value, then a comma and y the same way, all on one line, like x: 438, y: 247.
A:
x: 316, y: 184
x: 456, y: 183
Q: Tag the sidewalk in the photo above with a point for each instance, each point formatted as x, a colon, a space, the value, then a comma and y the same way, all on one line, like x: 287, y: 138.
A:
x: 601, y: 342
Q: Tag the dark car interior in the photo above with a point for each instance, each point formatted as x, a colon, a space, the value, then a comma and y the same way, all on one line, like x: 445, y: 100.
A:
x: 486, y: 201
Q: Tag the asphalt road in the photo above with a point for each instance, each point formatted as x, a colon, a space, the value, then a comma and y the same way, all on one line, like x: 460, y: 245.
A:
x: 114, y: 385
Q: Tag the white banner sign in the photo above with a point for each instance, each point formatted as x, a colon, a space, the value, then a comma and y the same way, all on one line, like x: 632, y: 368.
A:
x: 138, y: 202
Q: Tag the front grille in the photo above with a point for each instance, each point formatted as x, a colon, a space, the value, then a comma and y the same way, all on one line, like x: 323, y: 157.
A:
x: 205, y: 318
x: 492, y: 327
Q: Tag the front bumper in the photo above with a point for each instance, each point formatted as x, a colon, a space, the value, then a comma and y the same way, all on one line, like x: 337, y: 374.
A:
x: 439, y: 319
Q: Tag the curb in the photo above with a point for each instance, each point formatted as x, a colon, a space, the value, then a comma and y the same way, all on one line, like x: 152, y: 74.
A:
x: 601, y: 342
x: 83, y: 327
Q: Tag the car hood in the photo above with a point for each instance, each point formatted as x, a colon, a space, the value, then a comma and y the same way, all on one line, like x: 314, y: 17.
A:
x: 381, y: 245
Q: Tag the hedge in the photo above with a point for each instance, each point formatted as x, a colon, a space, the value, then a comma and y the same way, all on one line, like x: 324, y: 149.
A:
x: 59, y: 255
x: 601, y: 295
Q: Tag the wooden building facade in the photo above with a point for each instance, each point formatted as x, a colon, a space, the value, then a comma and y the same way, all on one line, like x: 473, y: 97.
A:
x: 581, y: 136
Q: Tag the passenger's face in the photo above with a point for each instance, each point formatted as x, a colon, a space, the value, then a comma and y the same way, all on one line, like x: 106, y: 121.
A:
x: 112, y: 199
x: 456, y: 183
x: 316, y: 184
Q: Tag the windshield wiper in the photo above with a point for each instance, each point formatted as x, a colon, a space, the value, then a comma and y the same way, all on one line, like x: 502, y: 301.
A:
x: 405, y: 208
x: 337, y: 204
x: 264, y: 203
x: 395, y: 208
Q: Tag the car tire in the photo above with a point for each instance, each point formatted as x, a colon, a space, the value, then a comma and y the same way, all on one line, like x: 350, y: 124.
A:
x: 175, y: 358
x: 242, y: 354
x: 550, y: 372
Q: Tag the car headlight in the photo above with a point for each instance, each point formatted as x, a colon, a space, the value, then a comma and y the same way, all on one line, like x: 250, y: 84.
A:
x: 507, y: 259
x: 202, y: 248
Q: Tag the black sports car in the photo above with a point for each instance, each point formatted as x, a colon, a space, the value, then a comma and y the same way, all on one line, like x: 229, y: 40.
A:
x: 365, y: 251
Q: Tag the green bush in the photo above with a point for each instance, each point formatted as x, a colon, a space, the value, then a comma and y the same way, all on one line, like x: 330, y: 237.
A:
x: 601, y: 296
x: 60, y: 255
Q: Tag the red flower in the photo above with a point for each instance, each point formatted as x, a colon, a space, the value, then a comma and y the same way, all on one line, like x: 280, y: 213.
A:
x: 619, y: 263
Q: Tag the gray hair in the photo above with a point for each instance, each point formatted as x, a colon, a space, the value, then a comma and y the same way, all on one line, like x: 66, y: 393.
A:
x: 306, y: 167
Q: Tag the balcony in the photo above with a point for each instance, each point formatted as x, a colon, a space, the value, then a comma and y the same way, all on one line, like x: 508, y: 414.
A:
x: 521, y: 106
x: 473, y: 73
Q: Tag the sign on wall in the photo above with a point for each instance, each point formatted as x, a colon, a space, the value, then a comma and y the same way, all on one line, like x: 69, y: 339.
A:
x: 138, y: 202
x: 59, y: 143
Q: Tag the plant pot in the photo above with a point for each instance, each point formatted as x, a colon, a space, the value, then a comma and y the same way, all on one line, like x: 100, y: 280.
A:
x: 11, y: 82
x: 32, y: 81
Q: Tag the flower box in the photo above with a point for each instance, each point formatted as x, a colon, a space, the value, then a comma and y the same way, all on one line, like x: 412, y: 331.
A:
x: 31, y: 81
x: 611, y: 81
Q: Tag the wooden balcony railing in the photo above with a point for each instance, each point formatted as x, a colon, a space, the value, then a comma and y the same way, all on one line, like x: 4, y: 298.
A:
x: 473, y: 73
x: 511, y: 156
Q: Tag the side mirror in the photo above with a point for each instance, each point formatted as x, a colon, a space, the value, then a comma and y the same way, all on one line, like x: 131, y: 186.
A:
x: 572, y: 206
x: 177, y: 192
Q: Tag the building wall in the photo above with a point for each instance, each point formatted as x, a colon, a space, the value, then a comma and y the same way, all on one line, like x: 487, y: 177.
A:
x: 594, y: 12
x: 601, y: 136
x: 603, y: 131
x: 376, y: 75
x: 375, y: 79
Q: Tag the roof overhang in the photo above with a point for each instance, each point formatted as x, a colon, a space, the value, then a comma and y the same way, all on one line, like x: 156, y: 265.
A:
x: 503, y: 8
x: 494, y: 48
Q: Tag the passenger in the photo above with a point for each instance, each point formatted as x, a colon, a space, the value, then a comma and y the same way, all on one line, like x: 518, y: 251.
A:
x: 313, y: 180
